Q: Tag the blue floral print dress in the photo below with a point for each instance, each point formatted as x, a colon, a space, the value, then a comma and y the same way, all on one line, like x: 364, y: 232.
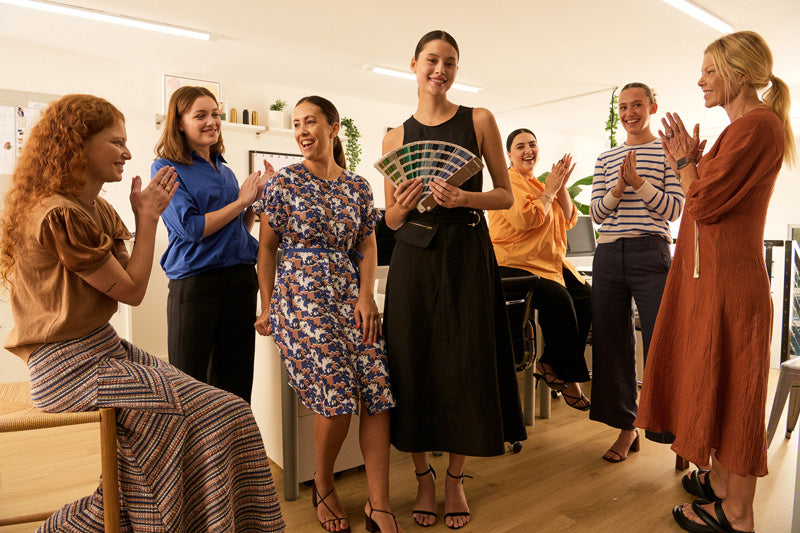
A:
x: 320, y: 222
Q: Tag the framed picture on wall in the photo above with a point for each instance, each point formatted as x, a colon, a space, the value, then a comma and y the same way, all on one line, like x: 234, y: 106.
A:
x: 173, y: 83
x: 277, y: 159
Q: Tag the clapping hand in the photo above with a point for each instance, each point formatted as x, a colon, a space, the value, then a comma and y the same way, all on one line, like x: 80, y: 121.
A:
x: 677, y: 143
x: 154, y: 198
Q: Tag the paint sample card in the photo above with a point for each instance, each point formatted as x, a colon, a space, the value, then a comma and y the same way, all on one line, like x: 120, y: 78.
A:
x: 429, y: 160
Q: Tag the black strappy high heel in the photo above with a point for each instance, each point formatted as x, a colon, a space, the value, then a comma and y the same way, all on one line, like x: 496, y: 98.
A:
x: 371, y: 525
x: 417, y: 511
x: 459, y: 513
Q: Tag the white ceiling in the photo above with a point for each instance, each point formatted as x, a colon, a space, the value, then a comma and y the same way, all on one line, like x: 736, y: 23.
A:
x: 525, y: 54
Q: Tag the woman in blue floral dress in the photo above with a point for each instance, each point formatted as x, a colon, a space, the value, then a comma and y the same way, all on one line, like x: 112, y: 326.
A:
x: 321, y: 309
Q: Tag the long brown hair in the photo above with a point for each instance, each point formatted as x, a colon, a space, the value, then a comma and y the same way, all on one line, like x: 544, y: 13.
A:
x: 332, y: 117
x: 52, y: 162
x: 746, y: 54
x: 172, y: 145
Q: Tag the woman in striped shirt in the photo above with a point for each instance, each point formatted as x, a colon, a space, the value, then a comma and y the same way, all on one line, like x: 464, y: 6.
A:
x: 634, y: 196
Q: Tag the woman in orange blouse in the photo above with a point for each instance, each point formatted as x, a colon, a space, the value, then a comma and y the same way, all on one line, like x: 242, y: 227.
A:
x: 531, y: 238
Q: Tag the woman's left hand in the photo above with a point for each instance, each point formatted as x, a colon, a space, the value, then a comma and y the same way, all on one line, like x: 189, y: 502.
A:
x: 368, y: 319
x: 447, y: 195
x: 627, y: 171
x: 677, y: 143
x: 155, y: 197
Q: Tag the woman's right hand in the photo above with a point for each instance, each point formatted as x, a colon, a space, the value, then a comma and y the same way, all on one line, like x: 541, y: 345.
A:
x: 262, y: 324
x: 153, y: 199
x: 407, y: 194
x: 253, y: 187
x: 559, y: 175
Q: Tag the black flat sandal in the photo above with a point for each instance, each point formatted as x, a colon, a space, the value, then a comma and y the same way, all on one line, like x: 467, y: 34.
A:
x: 719, y: 524
x: 702, y: 489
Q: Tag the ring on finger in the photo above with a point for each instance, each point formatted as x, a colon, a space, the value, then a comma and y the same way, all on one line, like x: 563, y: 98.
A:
x: 670, y: 135
x: 167, y: 188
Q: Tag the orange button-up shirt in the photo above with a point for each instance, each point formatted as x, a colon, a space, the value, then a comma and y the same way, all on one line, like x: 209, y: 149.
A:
x: 526, y: 237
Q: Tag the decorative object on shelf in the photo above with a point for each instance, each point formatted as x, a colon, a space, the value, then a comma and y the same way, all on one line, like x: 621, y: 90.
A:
x: 429, y: 160
x: 233, y: 117
x: 222, y: 110
x: 172, y: 83
x: 254, y: 118
x: 277, y: 115
x: 352, y: 149
x: 613, y: 119
x: 245, y: 117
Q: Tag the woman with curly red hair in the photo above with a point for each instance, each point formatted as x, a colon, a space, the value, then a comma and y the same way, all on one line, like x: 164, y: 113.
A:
x: 64, y: 261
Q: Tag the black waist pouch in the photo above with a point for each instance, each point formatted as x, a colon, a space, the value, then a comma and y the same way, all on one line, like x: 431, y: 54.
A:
x: 416, y: 233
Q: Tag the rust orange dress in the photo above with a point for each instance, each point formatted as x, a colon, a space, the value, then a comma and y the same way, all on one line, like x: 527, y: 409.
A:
x: 706, y: 374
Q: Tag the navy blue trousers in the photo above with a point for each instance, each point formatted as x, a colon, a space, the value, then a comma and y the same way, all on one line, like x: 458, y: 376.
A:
x: 625, y: 271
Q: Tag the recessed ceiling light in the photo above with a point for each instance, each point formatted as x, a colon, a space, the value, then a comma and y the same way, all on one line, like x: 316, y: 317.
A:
x: 91, y: 14
x: 386, y: 71
x: 699, y: 13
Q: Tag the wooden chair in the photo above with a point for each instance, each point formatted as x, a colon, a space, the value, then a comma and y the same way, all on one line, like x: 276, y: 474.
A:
x: 17, y: 413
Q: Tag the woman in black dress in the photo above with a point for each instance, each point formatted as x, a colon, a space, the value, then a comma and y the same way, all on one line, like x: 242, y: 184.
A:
x: 447, y: 333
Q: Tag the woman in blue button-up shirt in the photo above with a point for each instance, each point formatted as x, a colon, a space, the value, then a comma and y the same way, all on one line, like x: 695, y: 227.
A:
x: 211, y: 255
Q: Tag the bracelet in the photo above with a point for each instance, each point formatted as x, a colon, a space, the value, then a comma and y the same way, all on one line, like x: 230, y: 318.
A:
x: 548, y: 196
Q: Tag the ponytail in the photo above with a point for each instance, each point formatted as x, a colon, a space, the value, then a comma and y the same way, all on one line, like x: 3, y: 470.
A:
x: 338, y: 153
x: 777, y: 99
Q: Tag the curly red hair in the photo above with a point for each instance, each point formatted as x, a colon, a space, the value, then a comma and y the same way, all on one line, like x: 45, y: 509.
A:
x: 52, y: 162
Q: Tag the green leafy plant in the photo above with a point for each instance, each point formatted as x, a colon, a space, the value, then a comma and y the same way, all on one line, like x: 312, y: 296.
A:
x: 574, y: 190
x: 278, y: 105
x: 613, y: 118
x: 352, y: 149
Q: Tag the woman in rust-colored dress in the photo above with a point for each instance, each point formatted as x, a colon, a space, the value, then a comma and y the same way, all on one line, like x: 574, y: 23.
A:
x: 706, y: 375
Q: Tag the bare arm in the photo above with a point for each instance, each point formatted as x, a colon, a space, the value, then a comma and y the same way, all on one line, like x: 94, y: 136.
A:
x: 366, y: 311
x: 128, y: 284
x: 268, y: 242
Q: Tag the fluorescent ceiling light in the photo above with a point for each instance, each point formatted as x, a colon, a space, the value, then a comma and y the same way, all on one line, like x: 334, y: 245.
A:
x: 91, y: 14
x: 411, y: 76
x: 697, y: 12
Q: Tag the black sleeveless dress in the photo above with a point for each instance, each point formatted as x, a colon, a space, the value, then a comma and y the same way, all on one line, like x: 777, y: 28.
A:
x: 446, y: 328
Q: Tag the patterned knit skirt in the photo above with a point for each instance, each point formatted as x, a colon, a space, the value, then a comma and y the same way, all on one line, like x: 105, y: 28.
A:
x: 191, y: 458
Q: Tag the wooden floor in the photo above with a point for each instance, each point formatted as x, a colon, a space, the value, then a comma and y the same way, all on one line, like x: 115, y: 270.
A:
x: 557, y: 483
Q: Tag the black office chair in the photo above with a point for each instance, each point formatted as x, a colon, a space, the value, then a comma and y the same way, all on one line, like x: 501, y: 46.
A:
x: 527, y: 343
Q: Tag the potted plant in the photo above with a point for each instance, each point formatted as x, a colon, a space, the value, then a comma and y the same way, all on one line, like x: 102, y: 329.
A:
x: 352, y: 149
x: 276, y: 114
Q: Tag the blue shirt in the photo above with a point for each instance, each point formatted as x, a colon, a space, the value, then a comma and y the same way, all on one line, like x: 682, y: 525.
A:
x: 202, y: 190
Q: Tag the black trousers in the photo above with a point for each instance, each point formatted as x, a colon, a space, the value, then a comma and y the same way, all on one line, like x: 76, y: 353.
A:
x: 210, y: 333
x: 565, y: 316
x: 623, y: 271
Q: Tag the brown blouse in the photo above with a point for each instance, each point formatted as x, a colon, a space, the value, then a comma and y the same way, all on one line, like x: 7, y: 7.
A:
x: 49, y: 301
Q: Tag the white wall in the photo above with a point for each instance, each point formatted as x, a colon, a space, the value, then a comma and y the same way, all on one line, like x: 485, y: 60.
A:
x: 136, y: 90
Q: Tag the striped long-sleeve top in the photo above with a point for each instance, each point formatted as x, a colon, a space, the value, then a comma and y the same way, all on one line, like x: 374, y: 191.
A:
x: 646, y: 211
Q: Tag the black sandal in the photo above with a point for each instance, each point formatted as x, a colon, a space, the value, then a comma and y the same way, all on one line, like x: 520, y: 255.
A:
x: 371, y: 525
x: 576, y: 400
x: 702, y: 489
x: 459, y: 513
x: 317, y: 499
x: 417, y: 511
x: 711, y: 524
x: 545, y: 375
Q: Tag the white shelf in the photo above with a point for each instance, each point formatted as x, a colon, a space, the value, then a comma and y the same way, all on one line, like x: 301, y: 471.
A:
x: 285, y: 131
x: 235, y: 126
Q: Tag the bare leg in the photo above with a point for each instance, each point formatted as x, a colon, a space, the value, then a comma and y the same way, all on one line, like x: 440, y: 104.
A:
x: 454, y: 499
x: 329, y: 434
x: 426, y: 490
x: 739, y: 493
x: 373, y: 436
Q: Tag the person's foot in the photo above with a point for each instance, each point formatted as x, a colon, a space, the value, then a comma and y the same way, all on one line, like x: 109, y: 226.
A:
x: 738, y: 523
x: 330, y: 512
x: 622, y: 446
x: 424, y: 511
x: 456, y: 510
x: 551, y: 379
x: 574, y: 397
x: 383, y: 518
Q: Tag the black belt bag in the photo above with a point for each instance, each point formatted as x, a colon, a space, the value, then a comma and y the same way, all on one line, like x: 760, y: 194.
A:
x: 420, y: 232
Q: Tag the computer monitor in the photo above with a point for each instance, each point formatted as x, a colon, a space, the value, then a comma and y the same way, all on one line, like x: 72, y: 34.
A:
x: 581, y: 239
